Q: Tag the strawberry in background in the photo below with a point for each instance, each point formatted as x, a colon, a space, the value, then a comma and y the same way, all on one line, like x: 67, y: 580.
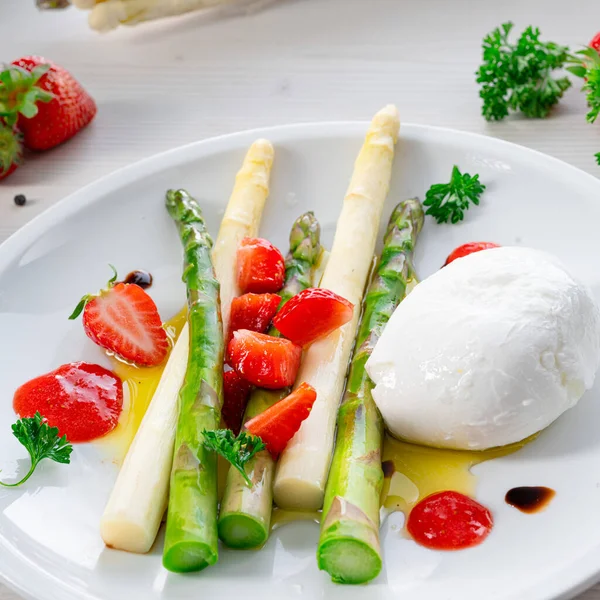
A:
x: 41, y: 106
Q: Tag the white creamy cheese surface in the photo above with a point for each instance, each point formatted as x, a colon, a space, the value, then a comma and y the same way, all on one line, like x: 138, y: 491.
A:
x: 487, y: 351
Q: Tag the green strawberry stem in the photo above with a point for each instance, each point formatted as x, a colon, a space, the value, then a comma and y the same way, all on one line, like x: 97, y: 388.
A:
x: 11, y: 147
x: 349, y: 547
x: 245, y: 516
x: 191, y: 536
x: 85, y: 299
x: 19, y: 92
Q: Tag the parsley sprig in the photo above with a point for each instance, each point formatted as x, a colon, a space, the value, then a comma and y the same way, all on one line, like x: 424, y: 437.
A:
x: 41, y: 441
x: 449, y: 201
x: 237, y: 450
x: 586, y: 64
x: 598, y: 157
x: 518, y: 76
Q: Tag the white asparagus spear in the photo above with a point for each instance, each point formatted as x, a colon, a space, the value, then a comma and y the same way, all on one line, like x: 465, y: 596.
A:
x: 303, y: 467
x: 138, y: 500
x: 86, y: 4
x: 320, y: 268
x: 109, y: 14
x: 241, y: 219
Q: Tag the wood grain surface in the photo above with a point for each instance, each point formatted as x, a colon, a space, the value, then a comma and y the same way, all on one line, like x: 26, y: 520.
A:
x: 169, y: 83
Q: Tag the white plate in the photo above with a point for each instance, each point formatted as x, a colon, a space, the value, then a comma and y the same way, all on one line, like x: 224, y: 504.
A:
x: 50, y: 547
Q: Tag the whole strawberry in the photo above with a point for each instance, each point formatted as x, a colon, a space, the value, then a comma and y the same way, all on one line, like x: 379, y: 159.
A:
x: 50, y: 103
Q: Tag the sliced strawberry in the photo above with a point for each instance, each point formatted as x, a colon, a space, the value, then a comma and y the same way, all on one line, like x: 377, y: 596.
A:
x: 253, y: 312
x: 277, y: 425
x: 469, y: 248
x: 449, y: 520
x: 124, y: 319
x: 83, y: 400
x: 261, y: 267
x: 264, y: 360
x: 312, y: 314
x: 235, y: 397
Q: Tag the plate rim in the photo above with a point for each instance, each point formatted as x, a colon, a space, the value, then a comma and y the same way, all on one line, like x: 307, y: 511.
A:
x: 581, y: 577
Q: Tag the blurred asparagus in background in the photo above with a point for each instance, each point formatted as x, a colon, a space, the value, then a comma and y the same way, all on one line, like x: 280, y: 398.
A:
x: 46, y: 4
x: 108, y: 14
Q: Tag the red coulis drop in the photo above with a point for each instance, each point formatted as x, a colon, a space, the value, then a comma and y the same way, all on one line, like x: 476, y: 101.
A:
x: 83, y: 400
x: 449, y: 521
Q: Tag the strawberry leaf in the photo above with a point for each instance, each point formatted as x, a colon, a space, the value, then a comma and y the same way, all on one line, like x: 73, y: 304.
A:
x: 578, y: 71
x: 85, y: 299
x: 11, y: 147
x: 19, y: 93
x: 80, y: 306
x: 111, y: 282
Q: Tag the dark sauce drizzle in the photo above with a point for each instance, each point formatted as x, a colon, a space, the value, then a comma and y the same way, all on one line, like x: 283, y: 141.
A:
x: 388, y: 468
x: 141, y: 278
x: 530, y: 499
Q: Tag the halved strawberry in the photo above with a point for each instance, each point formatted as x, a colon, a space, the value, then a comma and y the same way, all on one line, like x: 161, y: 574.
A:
x: 124, y: 319
x: 469, y: 248
x: 277, y: 425
x: 264, y: 360
x: 312, y: 314
x: 253, y: 312
x: 261, y: 267
x: 235, y: 397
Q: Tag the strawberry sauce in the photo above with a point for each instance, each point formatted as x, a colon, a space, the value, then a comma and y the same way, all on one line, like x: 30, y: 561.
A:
x: 83, y: 400
x: 449, y: 521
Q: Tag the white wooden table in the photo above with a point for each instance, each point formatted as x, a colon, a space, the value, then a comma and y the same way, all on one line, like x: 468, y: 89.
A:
x: 165, y: 84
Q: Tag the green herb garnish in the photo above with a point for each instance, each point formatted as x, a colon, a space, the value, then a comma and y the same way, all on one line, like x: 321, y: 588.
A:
x: 518, y: 76
x: 237, y: 450
x: 598, y: 157
x: 449, y: 201
x: 41, y: 441
x: 586, y: 64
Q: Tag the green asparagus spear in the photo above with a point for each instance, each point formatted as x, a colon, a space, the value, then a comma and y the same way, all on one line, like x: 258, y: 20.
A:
x: 349, y: 547
x: 245, y: 517
x: 191, y: 537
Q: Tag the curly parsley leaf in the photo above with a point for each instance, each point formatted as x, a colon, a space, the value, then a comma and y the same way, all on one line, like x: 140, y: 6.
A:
x: 449, y: 201
x: 586, y: 64
x: 41, y: 441
x: 518, y: 76
x: 237, y: 450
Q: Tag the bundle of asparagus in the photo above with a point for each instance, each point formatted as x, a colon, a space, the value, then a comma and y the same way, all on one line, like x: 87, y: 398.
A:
x: 349, y: 547
x: 245, y: 515
x: 349, y: 544
x: 138, y: 501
